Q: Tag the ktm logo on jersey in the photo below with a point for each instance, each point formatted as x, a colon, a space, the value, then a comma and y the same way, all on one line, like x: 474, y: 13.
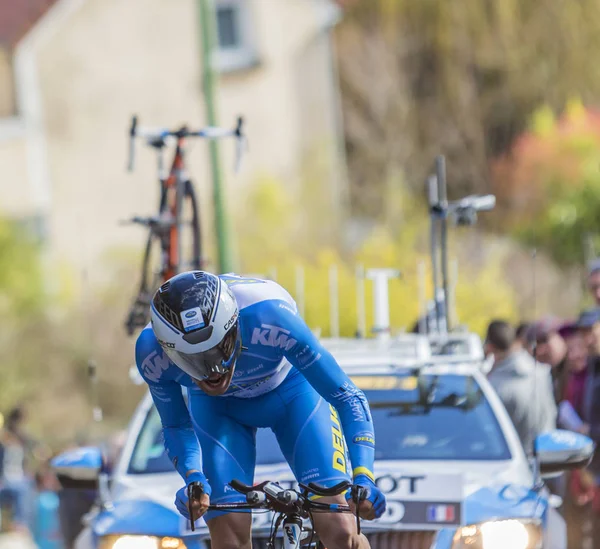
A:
x: 272, y: 336
x: 154, y: 365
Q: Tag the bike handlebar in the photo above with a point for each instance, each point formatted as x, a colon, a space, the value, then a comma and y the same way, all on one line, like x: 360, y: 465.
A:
x: 284, y: 501
x: 157, y: 136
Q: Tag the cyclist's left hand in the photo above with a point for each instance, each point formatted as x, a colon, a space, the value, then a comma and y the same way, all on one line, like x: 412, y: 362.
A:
x: 373, y: 506
x: 198, y: 507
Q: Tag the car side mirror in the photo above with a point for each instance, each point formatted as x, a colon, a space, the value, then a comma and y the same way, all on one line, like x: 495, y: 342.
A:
x: 561, y: 450
x: 79, y: 468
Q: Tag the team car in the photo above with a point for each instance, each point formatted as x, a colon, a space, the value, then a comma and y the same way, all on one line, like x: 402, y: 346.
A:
x: 447, y: 458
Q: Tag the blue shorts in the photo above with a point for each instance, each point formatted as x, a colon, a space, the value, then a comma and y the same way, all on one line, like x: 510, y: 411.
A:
x: 307, y: 428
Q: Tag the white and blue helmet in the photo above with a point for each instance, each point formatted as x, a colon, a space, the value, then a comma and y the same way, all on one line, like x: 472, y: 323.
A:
x: 195, y: 319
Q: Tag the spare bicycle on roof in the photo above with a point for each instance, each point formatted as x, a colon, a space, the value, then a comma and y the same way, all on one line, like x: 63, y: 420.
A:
x: 174, y: 241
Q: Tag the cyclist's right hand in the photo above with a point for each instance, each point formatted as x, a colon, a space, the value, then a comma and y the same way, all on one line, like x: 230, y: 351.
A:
x: 199, y: 506
x: 373, y: 505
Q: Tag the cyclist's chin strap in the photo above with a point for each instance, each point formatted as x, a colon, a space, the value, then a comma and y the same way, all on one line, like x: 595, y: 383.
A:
x: 359, y: 493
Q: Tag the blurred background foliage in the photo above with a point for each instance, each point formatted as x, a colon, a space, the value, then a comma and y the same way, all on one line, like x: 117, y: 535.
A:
x: 548, y: 184
x: 460, y: 78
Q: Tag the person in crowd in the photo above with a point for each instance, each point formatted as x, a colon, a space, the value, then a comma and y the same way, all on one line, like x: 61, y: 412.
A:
x: 593, y: 280
x: 576, y: 367
x: 551, y: 349
x: 580, y: 484
x: 522, y: 336
x: 589, y: 326
x: 524, y: 387
x: 15, y: 483
x: 46, y: 523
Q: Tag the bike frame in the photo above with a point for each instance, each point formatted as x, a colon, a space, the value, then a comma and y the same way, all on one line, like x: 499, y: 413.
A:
x: 172, y: 182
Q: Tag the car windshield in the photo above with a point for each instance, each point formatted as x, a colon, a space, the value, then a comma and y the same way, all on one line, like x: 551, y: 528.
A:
x: 424, y: 417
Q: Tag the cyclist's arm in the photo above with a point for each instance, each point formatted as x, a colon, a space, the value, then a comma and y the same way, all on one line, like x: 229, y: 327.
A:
x: 325, y: 375
x: 180, y: 440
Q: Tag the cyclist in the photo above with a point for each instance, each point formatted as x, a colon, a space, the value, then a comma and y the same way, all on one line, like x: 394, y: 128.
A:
x: 248, y: 360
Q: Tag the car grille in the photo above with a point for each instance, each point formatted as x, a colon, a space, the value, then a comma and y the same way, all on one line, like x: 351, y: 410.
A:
x: 378, y: 540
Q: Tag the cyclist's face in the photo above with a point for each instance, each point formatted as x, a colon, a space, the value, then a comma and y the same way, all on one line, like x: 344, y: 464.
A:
x: 216, y: 384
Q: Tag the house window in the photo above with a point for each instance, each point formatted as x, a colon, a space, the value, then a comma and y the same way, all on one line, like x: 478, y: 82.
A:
x: 228, y: 27
x: 236, y: 48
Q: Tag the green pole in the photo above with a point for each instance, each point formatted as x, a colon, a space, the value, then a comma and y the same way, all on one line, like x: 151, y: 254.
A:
x: 207, y: 32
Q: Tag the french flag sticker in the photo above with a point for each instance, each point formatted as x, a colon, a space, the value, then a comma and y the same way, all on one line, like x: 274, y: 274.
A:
x: 440, y: 513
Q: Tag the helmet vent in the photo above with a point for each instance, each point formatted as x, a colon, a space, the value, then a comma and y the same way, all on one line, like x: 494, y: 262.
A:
x: 165, y: 286
x: 198, y: 275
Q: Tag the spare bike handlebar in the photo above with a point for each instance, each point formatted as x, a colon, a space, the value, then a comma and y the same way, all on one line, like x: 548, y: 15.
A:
x: 157, y: 136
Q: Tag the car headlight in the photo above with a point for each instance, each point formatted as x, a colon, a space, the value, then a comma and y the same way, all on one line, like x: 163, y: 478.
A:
x: 140, y: 542
x: 500, y: 534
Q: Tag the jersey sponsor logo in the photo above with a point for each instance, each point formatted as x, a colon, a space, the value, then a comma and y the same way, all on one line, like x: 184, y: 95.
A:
x: 355, y: 398
x: 364, y: 439
x: 191, y: 314
x: 273, y: 336
x: 339, y: 459
x: 306, y: 357
x: 154, y: 365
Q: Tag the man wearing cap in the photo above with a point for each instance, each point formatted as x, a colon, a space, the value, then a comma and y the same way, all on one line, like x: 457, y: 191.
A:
x: 551, y: 349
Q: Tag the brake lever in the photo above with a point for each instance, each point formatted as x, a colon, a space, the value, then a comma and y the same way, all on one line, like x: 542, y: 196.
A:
x: 194, y: 492
x: 358, y: 493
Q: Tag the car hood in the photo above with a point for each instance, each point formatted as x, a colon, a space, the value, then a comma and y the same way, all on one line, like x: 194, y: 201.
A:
x: 143, y: 504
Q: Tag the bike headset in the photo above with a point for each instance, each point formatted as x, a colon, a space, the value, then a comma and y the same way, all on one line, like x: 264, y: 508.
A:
x: 195, y: 319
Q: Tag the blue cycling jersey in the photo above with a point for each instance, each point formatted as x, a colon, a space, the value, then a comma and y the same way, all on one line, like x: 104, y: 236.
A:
x: 276, y: 344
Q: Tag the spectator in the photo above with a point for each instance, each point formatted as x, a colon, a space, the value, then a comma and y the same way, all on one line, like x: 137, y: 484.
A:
x: 589, y: 326
x: 580, y: 483
x: 15, y: 482
x: 551, y: 349
x: 524, y: 387
x: 522, y: 336
x: 594, y: 280
x: 46, y: 530
x: 576, y: 366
